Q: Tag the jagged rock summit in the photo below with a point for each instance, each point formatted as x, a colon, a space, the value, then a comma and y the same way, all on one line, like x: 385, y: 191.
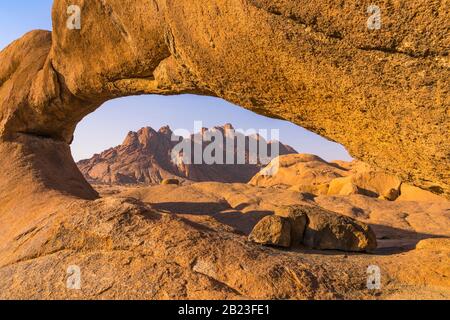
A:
x: 145, y: 157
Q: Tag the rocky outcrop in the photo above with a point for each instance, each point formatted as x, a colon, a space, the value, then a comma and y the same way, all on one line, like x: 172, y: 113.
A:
x: 384, y: 94
x: 411, y: 193
x: 145, y: 157
x: 310, y: 174
x: 369, y: 182
x: 314, y: 228
x: 386, y: 102
x: 327, y: 230
x: 272, y: 230
x: 399, y: 226
x: 297, y: 170
x: 190, y: 242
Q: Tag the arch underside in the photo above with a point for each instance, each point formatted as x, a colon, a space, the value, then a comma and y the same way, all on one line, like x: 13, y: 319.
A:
x: 384, y: 96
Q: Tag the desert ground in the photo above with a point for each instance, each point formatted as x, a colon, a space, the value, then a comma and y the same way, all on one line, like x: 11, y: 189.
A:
x: 413, y: 232
x: 191, y: 241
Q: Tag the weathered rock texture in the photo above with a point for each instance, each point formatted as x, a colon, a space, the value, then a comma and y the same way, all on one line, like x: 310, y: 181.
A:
x: 328, y: 230
x: 413, y: 264
x: 298, y: 220
x: 272, y: 230
x: 384, y: 93
x: 315, y: 228
x: 310, y: 174
x: 301, y: 170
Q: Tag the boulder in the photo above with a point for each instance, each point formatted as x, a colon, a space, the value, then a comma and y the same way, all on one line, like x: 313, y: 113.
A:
x: 411, y: 193
x: 272, y: 230
x: 298, y: 221
x: 343, y: 187
x: 171, y: 182
x: 306, y: 171
x: 376, y: 182
x: 349, y: 189
x: 327, y: 230
x: 315, y: 228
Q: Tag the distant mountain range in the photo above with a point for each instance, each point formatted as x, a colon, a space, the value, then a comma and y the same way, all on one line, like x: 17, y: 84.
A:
x: 145, y: 157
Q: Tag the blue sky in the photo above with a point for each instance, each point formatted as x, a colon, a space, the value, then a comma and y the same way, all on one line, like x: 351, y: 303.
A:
x: 108, y: 126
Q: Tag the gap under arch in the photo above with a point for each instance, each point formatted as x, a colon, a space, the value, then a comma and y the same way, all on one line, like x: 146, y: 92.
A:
x: 109, y: 124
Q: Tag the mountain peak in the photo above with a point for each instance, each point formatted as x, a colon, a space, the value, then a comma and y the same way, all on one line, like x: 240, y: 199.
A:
x: 145, y: 134
x: 228, y: 126
x: 165, y: 130
x: 146, y: 157
x: 131, y: 139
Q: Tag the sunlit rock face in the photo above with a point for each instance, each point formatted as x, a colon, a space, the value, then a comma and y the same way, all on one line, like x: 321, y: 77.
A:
x: 147, y: 157
x: 384, y: 94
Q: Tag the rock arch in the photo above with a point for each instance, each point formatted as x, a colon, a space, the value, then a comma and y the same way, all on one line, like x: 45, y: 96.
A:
x: 384, y: 94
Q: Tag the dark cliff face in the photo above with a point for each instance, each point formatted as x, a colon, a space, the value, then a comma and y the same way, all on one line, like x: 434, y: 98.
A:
x: 145, y: 157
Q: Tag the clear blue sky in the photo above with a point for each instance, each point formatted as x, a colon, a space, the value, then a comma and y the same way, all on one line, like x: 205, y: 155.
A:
x: 108, y: 126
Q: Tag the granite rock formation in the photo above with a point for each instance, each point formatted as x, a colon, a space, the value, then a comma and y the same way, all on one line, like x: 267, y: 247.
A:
x: 272, y: 230
x: 311, y: 174
x: 383, y: 94
x: 314, y: 228
x: 145, y: 157
x: 387, y: 100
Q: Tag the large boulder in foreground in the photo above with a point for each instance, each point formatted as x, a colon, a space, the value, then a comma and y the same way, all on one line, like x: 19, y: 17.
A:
x: 272, y: 230
x: 297, y: 219
x: 327, y: 230
x: 315, y: 228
